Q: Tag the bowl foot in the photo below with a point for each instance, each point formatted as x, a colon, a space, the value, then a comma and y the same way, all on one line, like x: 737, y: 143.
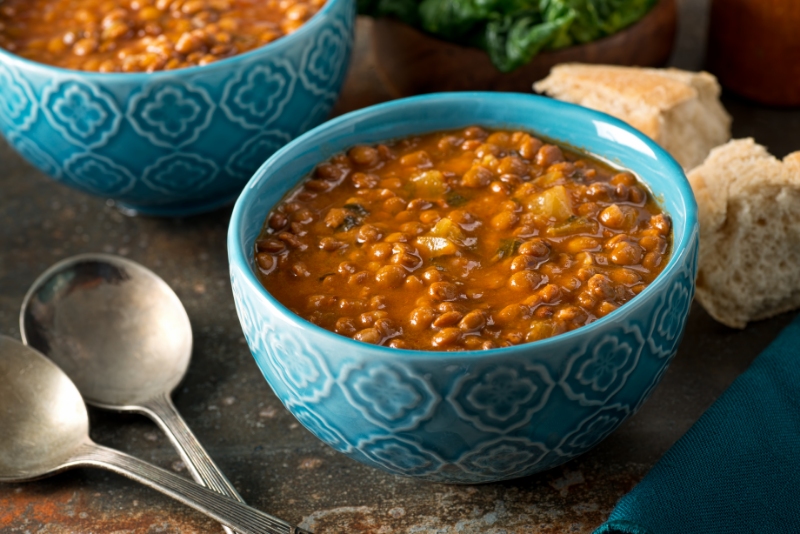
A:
x: 179, y: 209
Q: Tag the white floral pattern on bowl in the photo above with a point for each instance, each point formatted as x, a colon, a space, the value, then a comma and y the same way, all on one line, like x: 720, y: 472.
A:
x: 149, y: 125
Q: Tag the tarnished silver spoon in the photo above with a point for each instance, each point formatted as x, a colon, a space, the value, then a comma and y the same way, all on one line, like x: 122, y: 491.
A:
x: 45, y: 430
x: 124, y: 338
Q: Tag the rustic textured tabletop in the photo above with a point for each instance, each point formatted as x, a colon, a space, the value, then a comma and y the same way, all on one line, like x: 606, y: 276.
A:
x: 275, y: 463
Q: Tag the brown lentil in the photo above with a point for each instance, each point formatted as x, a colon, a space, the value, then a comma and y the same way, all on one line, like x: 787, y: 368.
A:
x: 462, y: 240
x: 144, y: 35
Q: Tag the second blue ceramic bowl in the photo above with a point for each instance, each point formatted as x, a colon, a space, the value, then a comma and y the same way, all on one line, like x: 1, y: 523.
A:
x: 176, y: 142
x: 479, y: 416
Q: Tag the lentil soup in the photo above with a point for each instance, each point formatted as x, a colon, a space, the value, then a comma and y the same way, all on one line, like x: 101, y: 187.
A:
x: 461, y: 240
x: 144, y: 35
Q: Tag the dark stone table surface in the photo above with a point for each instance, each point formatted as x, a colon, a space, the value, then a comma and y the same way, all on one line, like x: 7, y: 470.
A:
x: 274, y: 462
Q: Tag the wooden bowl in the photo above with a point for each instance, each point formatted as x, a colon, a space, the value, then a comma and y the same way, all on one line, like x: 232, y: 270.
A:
x: 753, y: 49
x: 412, y: 62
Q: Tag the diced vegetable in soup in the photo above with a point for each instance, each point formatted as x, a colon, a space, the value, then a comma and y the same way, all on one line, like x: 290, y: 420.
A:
x: 461, y: 240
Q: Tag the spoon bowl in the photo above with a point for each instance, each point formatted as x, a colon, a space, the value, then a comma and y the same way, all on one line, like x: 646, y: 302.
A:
x: 45, y: 430
x: 38, y: 441
x: 116, y: 328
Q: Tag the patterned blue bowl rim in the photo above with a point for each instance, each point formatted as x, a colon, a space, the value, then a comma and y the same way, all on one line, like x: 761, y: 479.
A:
x: 681, y: 245
x: 140, y: 77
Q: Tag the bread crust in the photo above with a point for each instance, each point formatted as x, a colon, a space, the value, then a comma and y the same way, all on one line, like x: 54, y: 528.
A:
x: 678, y: 109
x: 749, y: 214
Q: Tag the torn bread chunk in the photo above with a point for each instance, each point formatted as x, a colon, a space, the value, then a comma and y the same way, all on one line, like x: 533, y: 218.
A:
x: 679, y: 110
x: 749, y: 211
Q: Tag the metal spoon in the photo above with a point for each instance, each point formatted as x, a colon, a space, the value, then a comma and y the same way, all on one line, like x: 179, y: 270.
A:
x: 123, y: 337
x: 45, y: 430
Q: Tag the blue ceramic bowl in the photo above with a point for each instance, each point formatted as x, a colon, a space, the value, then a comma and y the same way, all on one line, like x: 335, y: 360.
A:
x: 476, y: 416
x: 176, y: 142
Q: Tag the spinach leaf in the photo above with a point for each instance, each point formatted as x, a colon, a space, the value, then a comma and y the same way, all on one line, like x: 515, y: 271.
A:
x: 349, y: 223
x: 508, y: 247
x: 455, y: 200
x: 358, y: 209
x: 512, y: 42
x: 512, y: 32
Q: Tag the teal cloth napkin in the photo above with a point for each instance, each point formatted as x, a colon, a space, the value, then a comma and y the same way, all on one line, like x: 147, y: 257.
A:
x: 737, y: 470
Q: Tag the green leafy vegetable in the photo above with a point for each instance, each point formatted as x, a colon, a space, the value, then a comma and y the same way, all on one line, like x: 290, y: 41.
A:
x: 454, y: 200
x: 349, y: 223
x: 358, y: 209
x: 513, y: 31
x: 573, y: 225
x: 508, y: 247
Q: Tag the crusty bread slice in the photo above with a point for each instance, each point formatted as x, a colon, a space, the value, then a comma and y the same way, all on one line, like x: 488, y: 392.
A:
x: 679, y: 110
x: 749, y: 205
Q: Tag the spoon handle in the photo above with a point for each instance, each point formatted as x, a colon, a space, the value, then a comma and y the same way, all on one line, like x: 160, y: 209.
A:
x: 236, y: 515
x: 202, y: 468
